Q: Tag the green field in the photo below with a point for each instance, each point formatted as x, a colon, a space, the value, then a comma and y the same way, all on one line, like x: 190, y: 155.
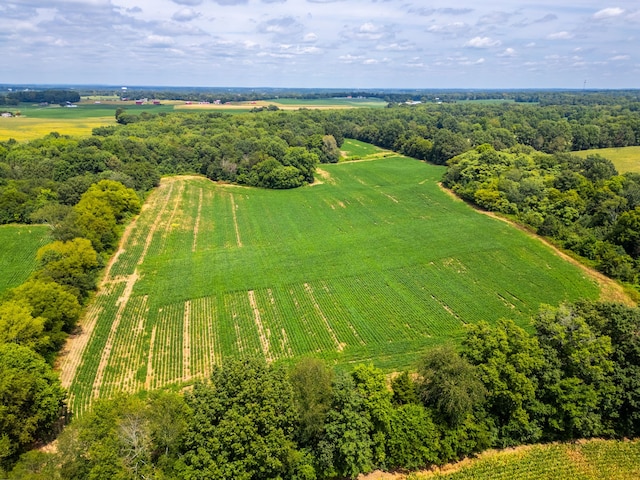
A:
x: 355, y: 149
x: 626, y: 159
x: 591, y: 460
x: 329, y: 102
x: 374, y: 264
x: 18, y: 247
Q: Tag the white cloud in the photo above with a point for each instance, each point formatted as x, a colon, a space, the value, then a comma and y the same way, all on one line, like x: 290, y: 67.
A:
x: 509, y: 52
x: 608, y: 13
x: 482, y: 42
x: 619, y: 58
x: 349, y: 58
x: 310, y: 38
x: 185, y: 15
x: 158, y: 41
x: 560, y: 36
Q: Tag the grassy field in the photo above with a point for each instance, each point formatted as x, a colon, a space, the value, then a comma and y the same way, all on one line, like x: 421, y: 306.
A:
x: 375, y: 263
x: 590, y: 460
x: 18, y: 247
x: 354, y: 150
x: 626, y: 159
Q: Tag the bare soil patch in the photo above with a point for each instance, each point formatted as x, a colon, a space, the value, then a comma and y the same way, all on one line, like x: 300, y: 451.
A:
x: 234, y: 207
x: 263, y: 332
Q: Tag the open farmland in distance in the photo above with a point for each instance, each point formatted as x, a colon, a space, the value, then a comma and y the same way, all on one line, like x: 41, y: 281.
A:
x: 18, y: 247
x: 626, y: 159
x: 372, y: 263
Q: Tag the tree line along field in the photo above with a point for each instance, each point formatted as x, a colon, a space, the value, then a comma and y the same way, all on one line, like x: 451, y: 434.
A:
x: 18, y: 247
x: 373, y: 263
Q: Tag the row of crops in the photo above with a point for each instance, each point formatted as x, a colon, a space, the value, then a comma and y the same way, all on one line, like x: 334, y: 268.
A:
x: 592, y: 460
x: 375, y: 265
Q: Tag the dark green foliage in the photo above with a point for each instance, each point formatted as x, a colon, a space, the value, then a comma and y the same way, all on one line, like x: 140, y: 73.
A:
x: 509, y: 362
x: 450, y: 385
x: 576, y: 386
x: 242, y: 425
x: 404, y: 390
x: 413, y: 441
x: 346, y: 448
x: 311, y: 380
x: 31, y: 399
x: 125, y: 438
x: 621, y: 324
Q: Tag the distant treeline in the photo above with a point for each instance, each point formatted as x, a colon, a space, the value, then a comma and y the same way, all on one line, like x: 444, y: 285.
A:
x: 40, y: 96
x: 545, y: 97
x: 575, y: 377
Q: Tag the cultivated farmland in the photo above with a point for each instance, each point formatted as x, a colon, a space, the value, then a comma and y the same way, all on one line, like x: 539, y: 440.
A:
x: 375, y: 263
x: 18, y: 247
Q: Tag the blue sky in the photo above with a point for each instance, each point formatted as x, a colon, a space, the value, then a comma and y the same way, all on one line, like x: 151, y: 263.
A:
x: 322, y: 43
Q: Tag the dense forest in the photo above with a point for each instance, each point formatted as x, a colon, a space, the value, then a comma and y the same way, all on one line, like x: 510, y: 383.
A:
x: 575, y: 376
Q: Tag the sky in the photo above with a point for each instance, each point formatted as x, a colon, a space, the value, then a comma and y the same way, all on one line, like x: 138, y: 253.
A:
x: 354, y: 44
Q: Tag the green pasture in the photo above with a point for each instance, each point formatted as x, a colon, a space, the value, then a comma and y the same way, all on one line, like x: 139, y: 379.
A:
x: 591, y: 460
x: 329, y: 102
x: 355, y: 149
x: 18, y: 247
x: 375, y: 264
x: 626, y: 159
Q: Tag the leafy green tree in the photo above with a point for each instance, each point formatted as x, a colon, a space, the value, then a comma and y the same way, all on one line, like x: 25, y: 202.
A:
x: 404, y: 390
x: 508, y: 361
x: 311, y: 381
x: 446, y: 145
x: 413, y: 440
x: 58, y: 307
x: 242, y: 425
x: 450, y: 385
x: 626, y: 232
x: 72, y: 264
x: 620, y: 323
x: 346, y: 449
x: 576, y: 386
x: 371, y: 385
x: 18, y: 326
x: 32, y: 399
x: 96, y: 221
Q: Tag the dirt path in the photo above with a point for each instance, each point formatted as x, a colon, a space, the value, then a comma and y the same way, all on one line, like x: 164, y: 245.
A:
x: 235, y: 220
x: 196, y: 228
x: 610, y: 290
x: 263, y: 333
x: 186, y: 342
x: 339, y: 346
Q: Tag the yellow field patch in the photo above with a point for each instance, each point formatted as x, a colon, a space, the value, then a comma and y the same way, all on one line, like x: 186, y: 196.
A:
x: 24, y: 128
